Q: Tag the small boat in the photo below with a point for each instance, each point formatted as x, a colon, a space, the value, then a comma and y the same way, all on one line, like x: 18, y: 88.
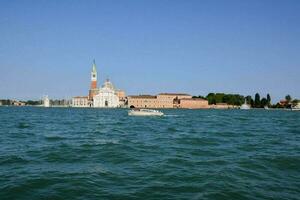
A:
x: 295, y: 108
x: 266, y: 108
x: 145, y: 112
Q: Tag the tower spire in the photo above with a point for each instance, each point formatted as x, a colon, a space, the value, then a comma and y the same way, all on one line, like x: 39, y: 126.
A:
x: 94, y: 67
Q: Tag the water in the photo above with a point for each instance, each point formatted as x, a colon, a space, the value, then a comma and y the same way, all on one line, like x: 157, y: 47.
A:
x: 63, y: 153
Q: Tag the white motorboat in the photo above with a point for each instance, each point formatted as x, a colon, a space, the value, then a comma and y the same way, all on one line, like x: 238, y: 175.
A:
x: 145, y: 112
x: 294, y: 108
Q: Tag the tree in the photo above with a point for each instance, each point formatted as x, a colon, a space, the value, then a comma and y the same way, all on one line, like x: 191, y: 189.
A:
x: 257, y: 100
x: 211, y: 98
x: 219, y: 97
x: 264, y: 102
x: 248, y: 99
x: 288, y: 98
x: 33, y: 103
x: 231, y: 99
x: 200, y: 96
x: 269, y: 99
x: 252, y: 103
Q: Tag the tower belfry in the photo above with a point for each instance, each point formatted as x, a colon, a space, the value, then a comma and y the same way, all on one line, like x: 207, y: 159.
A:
x: 93, y: 88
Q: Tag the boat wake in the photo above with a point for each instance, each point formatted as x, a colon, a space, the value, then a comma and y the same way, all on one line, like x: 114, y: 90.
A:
x: 171, y: 115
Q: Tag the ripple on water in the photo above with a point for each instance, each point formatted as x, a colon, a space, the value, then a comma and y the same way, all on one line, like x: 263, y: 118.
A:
x: 172, y: 129
x: 189, y: 154
x: 284, y: 162
x: 23, y: 125
x: 12, y: 159
x: 54, y: 138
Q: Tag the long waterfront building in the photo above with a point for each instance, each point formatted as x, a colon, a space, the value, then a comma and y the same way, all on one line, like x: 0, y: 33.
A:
x: 167, y: 100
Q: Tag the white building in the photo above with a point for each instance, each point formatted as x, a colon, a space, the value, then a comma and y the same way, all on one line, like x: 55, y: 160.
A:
x: 107, y: 97
x: 46, y: 101
x: 104, y: 97
x: 80, y: 101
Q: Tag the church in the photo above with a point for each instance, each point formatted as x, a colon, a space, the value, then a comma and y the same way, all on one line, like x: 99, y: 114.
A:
x: 106, y: 96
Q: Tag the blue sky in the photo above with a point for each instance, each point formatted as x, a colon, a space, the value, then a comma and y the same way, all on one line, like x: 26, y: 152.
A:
x: 147, y: 47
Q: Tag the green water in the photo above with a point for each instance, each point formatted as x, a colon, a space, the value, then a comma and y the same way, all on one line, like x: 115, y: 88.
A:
x: 64, y: 153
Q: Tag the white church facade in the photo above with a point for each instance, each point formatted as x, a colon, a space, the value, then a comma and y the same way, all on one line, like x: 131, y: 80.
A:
x: 104, y: 97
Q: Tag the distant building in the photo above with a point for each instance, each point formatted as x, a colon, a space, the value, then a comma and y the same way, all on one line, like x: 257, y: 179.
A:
x: 93, y: 89
x: 106, y: 96
x: 121, y: 94
x: 46, y: 101
x: 167, y: 100
x: 143, y: 101
x: 18, y: 103
x: 193, y: 103
x: 283, y: 102
x: 122, y: 97
x: 80, y: 101
x: 171, y: 100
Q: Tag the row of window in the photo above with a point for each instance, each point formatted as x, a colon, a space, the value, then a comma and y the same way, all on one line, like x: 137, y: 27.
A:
x: 151, y: 106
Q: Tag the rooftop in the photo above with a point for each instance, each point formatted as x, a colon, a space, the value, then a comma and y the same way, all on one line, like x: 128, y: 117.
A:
x: 80, y: 97
x: 193, y: 99
x: 174, y: 94
x: 143, y: 97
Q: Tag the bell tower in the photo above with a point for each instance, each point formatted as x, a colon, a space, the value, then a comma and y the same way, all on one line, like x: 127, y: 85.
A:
x: 94, y: 76
x: 93, y: 88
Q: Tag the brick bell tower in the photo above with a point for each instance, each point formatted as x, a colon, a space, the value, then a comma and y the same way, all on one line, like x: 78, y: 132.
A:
x: 93, y: 88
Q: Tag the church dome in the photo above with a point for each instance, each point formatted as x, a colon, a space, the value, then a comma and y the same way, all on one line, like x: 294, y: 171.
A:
x: 108, y: 84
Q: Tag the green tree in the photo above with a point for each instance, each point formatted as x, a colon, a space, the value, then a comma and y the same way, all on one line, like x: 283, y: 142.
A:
x: 278, y: 105
x: 32, y: 103
x: 288, y: 98
x: 202, y: 97
x: 211, y: 98
x: 257, y: 101
x: 249, y: 99
x: 219, y: 97
x: 199, y: 96
x: 264, y: 102
x: 232, y: 99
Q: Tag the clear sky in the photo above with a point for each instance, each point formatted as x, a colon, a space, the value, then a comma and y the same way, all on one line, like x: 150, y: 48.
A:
x: 147, y: 47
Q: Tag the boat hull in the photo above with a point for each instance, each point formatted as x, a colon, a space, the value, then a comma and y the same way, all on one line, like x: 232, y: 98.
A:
x: 141, y: 113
